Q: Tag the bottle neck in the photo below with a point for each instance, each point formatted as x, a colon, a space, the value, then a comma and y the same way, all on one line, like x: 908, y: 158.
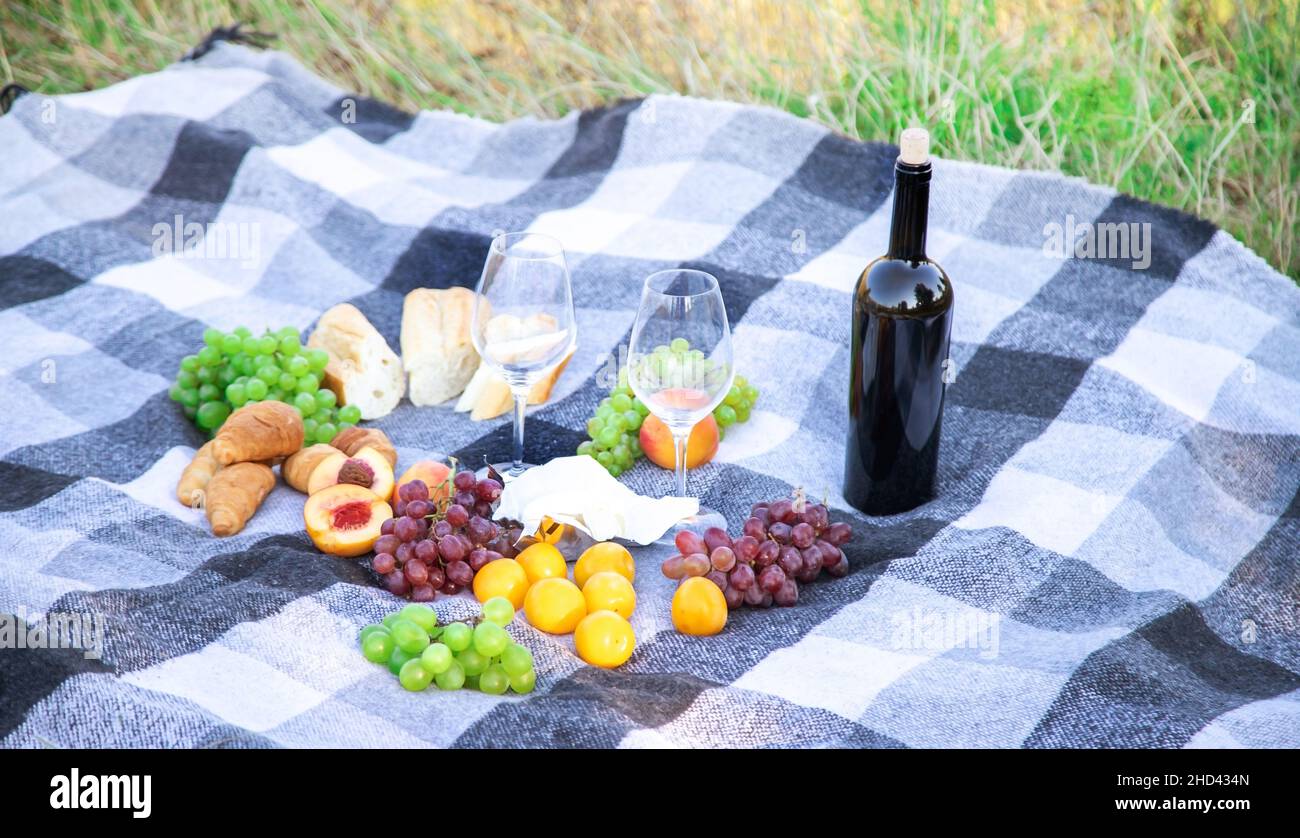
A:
x: 911, y: 212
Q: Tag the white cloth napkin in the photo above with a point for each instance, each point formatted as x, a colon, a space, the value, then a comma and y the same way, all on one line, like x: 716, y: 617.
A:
x: 579, y: 492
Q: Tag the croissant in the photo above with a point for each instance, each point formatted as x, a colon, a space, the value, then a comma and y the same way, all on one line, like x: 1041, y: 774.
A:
x: 352, y: 440
x: 297, y: 470
x: 234, y: 494
x: 195, y: 477
x: 258, y: 431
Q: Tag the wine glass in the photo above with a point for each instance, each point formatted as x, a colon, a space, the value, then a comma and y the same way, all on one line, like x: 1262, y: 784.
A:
x: 680, y: 360
x: 523, y: 323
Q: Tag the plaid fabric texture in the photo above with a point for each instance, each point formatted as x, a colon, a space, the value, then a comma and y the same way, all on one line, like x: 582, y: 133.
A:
x: 1111, y: 559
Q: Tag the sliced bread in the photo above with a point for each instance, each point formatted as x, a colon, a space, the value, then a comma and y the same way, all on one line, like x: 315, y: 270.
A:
x: 363, y: 370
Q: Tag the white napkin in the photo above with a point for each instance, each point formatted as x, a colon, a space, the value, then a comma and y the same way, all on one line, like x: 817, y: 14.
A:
x: 579, y: 492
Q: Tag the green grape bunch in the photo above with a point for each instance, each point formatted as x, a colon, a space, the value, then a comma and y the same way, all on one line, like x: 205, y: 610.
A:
x: 236, y: 368
x: 614, y: 431
x: 478, y: 653
x: 736, y: 405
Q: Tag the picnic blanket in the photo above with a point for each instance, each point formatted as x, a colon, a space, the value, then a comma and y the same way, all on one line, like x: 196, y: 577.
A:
x: 1110, y: 560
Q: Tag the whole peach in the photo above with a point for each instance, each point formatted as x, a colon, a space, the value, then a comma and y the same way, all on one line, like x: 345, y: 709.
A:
x: 436, y: 476
x: 657, y: 442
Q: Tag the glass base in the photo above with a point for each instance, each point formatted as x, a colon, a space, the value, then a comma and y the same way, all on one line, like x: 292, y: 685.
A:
x: 697, y: 523
x: 504, y: 469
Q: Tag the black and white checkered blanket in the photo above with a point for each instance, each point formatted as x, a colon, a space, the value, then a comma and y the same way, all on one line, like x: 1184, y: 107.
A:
x: 1111, y: 560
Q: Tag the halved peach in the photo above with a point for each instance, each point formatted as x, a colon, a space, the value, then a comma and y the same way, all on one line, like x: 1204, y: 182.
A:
x: 344, y: 519
x: 436, y: 476
x: 367, y: 468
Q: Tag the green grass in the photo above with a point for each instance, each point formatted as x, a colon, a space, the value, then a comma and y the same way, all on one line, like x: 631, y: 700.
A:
x: 1148, y: 97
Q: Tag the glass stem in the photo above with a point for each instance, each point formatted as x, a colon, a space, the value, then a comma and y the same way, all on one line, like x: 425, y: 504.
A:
x: 679, y: 450
x: 521, y: 406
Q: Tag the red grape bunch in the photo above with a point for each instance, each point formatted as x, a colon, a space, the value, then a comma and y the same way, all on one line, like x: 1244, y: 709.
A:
x: 784, y: 543
x: 437, y: 544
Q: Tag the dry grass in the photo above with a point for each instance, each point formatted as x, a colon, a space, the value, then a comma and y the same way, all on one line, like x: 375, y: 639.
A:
x: 1150, y: 97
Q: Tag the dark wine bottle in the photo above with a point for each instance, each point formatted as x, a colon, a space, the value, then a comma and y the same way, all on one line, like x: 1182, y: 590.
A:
x: 902, y: 318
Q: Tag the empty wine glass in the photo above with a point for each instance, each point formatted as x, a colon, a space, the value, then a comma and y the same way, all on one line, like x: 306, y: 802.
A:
x: 680, y: 360
x: 523, y: 323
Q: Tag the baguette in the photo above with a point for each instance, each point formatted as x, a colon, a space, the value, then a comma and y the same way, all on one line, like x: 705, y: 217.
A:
x: 362, y: 370
x: 487, y: 395
x: 437, y: 351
